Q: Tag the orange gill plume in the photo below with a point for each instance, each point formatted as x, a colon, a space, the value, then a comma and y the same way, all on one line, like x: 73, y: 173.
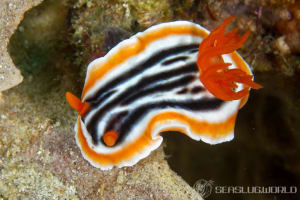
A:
x: 215, y: 74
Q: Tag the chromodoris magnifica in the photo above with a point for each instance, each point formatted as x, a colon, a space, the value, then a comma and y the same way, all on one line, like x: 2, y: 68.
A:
x: 161, y: 80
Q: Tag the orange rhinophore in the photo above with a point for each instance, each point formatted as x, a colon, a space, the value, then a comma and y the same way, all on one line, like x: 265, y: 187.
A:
x: 76, y: 104
x: 215, y: 74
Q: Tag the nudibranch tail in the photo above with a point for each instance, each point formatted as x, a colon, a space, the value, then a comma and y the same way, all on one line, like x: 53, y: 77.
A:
x: 76, y: 104
x: 215, y: 74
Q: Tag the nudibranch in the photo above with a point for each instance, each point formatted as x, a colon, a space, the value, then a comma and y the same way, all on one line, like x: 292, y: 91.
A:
x: 156, y: 81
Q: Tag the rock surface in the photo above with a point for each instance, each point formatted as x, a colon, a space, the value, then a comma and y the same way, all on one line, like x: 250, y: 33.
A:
x: 11, y: 13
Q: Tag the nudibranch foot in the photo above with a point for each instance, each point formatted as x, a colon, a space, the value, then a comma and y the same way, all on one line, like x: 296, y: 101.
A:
x: 215, y: 74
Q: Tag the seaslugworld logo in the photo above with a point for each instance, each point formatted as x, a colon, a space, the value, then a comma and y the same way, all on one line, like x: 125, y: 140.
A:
x: 255, y: 190
x: 205, y: 188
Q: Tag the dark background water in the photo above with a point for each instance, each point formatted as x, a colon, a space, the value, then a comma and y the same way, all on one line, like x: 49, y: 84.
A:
x: 264, y: 152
